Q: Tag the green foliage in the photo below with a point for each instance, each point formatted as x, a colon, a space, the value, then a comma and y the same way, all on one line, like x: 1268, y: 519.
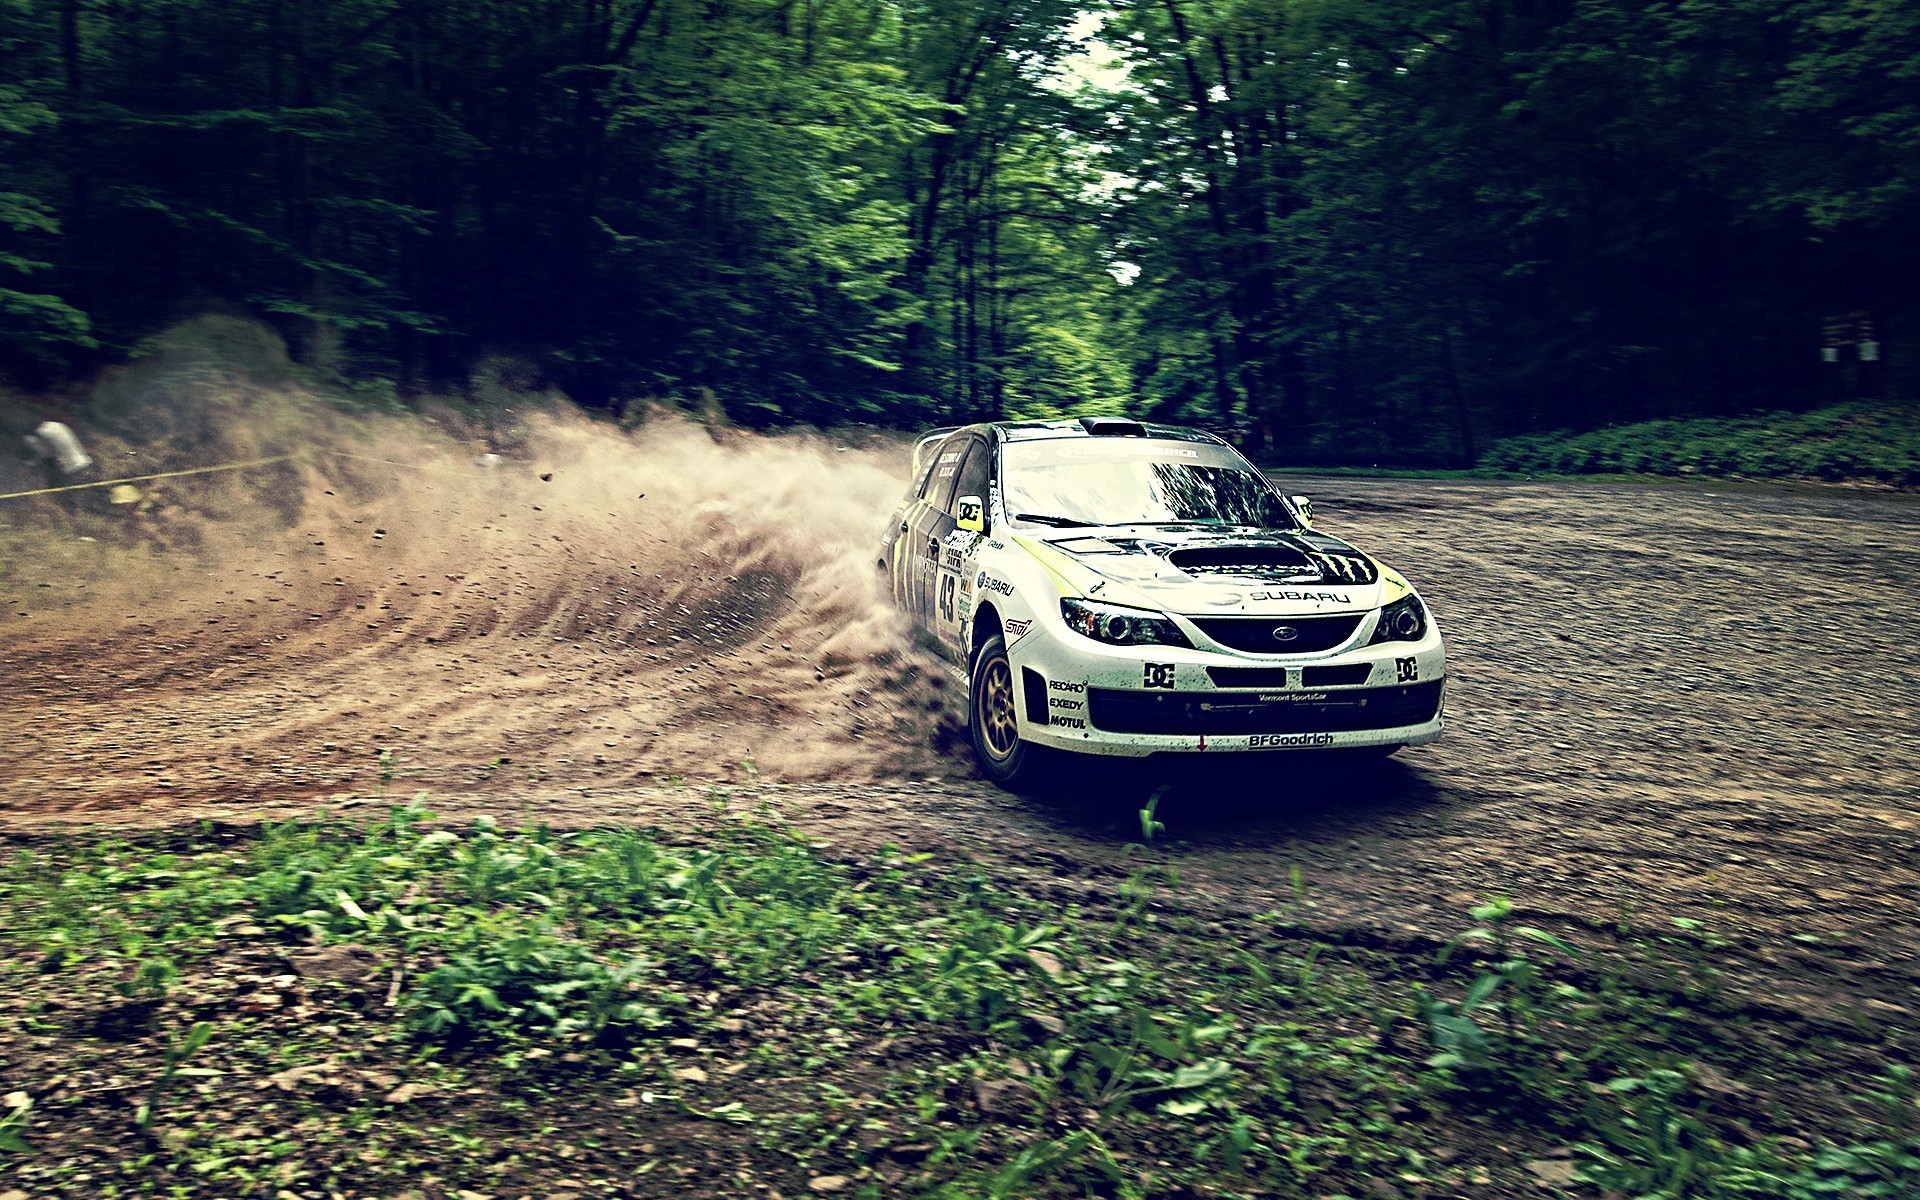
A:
x: 1389, y: 232
x: 504, y: 980
x: 1052, y: 1157
x: 1383, y: 232
x: 972, y: 970
x: 1511, y: 989
x: 173, y: 1067
x: 1841, y: 442
x: 1167, y: 1069
x: 33, y: 322
x: 13, y: 1126
x: 1658, y: 1149
x: 1846, y: 54
x: 854, y: 210
x: 1663, y: 1152
x: 151, y: 978
x: 1026, y: 1049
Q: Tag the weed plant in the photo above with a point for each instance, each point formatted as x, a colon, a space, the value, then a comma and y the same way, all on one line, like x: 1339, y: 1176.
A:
x: 685, y: 1013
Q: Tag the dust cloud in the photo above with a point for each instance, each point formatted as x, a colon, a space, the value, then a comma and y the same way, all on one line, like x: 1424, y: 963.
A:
x: 458, y: 602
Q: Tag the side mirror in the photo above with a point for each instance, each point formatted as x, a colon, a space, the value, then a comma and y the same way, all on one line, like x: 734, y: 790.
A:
x: 970, y: 514
x: 1305, y: 508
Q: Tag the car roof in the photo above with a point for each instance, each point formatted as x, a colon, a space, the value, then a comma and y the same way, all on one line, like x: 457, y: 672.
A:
x: 1086, y: 427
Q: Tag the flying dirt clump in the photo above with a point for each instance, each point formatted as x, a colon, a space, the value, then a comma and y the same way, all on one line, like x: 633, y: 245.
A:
x: 402, y: 603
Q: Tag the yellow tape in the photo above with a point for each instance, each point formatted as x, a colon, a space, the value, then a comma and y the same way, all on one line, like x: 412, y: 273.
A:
x: 237, y: 466
x: 369, y: 458
x: 76, y: 487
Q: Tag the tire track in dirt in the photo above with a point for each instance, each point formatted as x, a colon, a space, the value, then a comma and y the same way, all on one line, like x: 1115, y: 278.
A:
x: 1667, y: 701
x: 649, y: 605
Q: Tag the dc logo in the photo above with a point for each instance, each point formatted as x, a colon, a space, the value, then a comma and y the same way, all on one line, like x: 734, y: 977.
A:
x: 1158, y: 675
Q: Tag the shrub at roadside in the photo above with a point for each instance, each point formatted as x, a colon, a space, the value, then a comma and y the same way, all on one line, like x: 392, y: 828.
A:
x: 1845, y: 442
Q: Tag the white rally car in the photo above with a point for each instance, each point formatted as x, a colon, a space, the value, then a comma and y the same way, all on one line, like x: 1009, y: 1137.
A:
x: 1117, y: 588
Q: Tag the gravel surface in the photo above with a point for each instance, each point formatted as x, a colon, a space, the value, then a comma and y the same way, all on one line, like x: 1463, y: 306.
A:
x: 1668, y: 701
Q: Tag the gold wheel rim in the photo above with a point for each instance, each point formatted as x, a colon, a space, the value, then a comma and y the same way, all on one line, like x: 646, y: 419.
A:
x: 997, y: 726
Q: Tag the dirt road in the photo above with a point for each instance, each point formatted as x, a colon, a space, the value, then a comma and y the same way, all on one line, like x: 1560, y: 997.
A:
x: 1689, y: 702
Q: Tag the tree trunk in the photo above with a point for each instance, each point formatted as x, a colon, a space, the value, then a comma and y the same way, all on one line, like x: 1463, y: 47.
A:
x: 315, y: 341
x: 77, y: 224
x: 1463, y: 421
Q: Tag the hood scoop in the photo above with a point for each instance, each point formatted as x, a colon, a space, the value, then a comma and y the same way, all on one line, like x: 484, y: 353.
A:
x: 1276, y: 564
x: 1272, y: 558
x: 1273, y: 564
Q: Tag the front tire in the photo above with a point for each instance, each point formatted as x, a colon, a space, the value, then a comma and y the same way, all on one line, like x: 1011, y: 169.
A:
x: 993, y: 722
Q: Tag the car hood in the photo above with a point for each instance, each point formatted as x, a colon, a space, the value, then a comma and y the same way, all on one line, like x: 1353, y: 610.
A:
x: 1210, y: 571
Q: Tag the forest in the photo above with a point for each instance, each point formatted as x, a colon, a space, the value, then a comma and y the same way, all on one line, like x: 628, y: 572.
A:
x: 1349, y: 230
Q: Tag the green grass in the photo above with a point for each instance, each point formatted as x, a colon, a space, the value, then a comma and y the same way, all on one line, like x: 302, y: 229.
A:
x: 370, y: 1009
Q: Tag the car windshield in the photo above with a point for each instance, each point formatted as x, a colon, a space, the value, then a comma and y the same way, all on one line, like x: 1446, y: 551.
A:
x: 1112, y: 481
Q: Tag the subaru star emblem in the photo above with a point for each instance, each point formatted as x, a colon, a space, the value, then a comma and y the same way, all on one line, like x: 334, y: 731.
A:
x: 1285, y: 633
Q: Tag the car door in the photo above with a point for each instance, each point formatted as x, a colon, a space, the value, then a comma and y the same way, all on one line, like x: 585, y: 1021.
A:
x: 930, y: 524
x: 897, y: 543
x: 952, y: 596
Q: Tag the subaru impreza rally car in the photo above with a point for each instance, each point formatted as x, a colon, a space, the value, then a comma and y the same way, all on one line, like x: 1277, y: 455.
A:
x: 1113, y: 587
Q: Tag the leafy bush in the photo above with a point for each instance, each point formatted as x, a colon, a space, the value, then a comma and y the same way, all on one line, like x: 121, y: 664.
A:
x: 1844, y: 442
x: 508, y: 981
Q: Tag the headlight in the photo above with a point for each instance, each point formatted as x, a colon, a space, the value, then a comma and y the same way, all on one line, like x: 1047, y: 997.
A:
x: 1119, y: 626
x: 1405, y: 620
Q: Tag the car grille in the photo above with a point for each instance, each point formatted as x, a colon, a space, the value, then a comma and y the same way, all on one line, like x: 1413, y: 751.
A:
x: 1345, y: 676
x: 1274, y: 678
x: 1219, y: 713
x: 1256, y: 634
x: 1248, y: 677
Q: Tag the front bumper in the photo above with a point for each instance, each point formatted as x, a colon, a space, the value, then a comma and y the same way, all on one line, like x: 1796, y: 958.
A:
x: 1085, y: 696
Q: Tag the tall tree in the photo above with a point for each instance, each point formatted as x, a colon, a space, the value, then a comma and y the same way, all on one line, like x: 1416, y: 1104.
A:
x: 1397, y: 229
x: 35, y: 323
